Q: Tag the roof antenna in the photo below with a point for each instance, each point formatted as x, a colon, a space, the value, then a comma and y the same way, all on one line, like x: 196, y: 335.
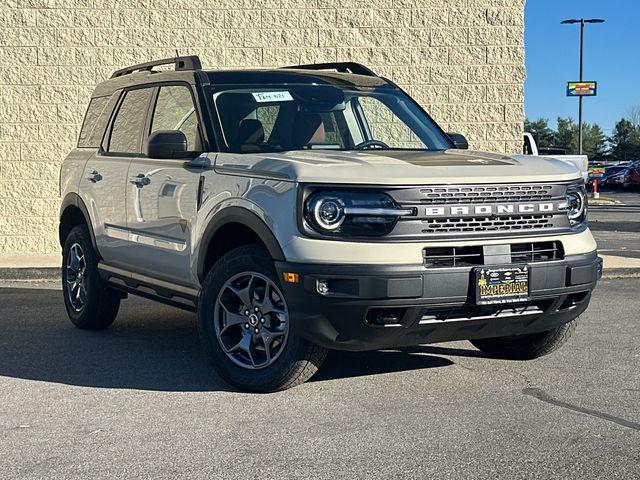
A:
x: 177, y: 54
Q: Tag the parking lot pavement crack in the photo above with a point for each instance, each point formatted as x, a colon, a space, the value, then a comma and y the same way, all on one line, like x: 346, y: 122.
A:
x: 545, y: 397
x: 457, y: 363
x: 527, y: 381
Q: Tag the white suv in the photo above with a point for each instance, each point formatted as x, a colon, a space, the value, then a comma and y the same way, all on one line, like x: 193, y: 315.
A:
x: 314, y: 207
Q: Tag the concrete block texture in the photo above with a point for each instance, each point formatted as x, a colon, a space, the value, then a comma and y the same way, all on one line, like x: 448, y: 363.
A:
x: 463, y: 60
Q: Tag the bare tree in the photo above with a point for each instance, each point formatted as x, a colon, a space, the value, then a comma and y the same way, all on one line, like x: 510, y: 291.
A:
x: 633, y: 115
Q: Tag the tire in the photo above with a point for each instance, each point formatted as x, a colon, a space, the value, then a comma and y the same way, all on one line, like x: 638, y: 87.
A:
x: 526, y: 347
x: 240, y: 355
x: 98, y: 307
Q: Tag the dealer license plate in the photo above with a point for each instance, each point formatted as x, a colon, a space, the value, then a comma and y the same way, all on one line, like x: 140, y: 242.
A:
x: 502, y: 284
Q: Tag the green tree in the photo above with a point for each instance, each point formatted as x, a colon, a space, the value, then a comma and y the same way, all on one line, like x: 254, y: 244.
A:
x: 540, y: 130
x: 594, y: 141
x: 566, y: 136
x: 625, y: 141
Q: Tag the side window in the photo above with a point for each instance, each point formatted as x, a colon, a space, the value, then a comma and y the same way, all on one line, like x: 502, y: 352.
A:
x: 126, y: 134
x: 175, y: 111
x: 387, y: 127
x: 95, y: 121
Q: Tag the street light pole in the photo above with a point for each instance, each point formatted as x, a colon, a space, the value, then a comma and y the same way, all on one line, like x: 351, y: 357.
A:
x: 581, y: 21
x: 580, y: 143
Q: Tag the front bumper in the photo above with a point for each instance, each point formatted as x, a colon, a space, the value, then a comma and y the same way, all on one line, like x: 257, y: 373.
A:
x: 430, y: 304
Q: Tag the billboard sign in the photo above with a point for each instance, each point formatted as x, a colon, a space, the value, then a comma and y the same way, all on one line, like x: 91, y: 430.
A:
x: 582, y: 89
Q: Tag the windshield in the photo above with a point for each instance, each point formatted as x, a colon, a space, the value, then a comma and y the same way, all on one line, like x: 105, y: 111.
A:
x: 309, y: 117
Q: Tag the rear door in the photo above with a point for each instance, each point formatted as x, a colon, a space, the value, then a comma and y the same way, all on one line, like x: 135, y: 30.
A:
x: 163, y: 193
x: 105, y: 175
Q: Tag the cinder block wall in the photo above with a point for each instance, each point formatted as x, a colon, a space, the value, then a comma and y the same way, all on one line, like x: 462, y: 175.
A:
x: 462, y: 59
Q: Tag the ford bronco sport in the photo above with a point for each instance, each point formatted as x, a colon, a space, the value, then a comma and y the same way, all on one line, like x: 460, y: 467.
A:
x: 315, y: 207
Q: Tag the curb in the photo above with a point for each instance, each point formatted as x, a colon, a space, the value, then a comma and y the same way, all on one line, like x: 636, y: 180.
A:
x: 610, y: 273
x: 29, y: 274
x: 33, y: 274
x: 600, y: 202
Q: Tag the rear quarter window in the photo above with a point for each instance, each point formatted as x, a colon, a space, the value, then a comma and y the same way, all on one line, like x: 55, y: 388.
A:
x: 126, y: 132
x: 95, y: 121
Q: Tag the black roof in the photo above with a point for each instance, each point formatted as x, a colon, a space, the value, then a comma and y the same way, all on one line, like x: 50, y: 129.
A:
x: 281, y: 76
x: 345, y: 74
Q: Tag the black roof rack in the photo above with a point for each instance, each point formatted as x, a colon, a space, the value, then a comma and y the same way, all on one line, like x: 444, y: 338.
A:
x: 342, y: 67
x: 191, y: 62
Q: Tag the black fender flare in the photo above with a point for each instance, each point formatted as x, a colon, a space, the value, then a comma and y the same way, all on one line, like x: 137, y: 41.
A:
x: 242, y: 216
x: 73, y: 200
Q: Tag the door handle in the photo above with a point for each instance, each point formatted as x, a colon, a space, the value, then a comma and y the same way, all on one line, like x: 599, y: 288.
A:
x: 141, y: 180
x: 94, y: 177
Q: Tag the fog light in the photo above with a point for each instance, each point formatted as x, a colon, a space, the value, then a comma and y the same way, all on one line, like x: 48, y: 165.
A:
x: 322, y: 286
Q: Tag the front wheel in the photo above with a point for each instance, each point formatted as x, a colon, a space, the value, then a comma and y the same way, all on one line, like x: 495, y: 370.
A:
x: 245, y: 326
x: 526, y: 347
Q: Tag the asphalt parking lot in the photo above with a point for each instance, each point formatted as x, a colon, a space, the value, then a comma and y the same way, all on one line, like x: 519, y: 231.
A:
x: 139, y: 401
x: 617, y: 227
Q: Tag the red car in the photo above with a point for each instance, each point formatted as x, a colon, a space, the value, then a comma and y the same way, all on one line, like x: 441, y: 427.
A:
x: 618, y: 176
x: 634, y: 177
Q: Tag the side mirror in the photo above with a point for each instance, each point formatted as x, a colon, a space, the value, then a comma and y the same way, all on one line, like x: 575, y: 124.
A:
x: 167, y: 144
x: 458, y: 140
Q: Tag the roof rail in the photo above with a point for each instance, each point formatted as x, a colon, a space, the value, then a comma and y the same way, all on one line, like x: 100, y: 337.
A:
x: 343, y: 67
x: 191, y: 62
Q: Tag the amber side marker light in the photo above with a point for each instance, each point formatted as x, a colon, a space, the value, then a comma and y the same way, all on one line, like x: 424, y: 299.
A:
x: 290, y: 277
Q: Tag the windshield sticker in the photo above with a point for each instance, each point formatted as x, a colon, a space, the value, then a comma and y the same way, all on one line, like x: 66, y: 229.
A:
x: 263, y: 97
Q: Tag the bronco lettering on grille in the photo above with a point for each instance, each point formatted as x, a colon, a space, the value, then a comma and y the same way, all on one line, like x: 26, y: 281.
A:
x: 493, y: 210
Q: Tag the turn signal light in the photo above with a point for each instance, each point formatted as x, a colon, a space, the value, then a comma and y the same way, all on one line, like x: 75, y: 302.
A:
x: 290, y: 277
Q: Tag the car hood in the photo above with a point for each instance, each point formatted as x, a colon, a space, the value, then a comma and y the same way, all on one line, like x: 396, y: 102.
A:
x: 395, y: 167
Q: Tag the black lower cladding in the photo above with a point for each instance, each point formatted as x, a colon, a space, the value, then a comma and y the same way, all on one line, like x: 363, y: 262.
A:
x: 369, y: 307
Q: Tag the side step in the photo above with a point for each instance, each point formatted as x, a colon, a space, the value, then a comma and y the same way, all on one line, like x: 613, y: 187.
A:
x: 149, y: 287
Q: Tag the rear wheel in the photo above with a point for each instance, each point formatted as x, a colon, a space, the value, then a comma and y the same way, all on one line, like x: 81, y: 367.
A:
x: 526, y: 347
x: 89, y: 302
x: 245, y: 326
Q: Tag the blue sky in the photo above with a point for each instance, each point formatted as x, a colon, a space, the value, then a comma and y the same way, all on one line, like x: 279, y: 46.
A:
x: 611, y: 58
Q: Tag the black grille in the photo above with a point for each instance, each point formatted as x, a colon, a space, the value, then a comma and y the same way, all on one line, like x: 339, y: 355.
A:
x: 487, y: 224
x: 481, y: 225
x: 536, y: 252
x: 485, y: 194
x: 453, y: 256
x: 438, y: 257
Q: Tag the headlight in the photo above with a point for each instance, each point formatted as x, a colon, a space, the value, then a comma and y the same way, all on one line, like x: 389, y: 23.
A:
x: 576, y: 204
x: 327, y: 212
x: 347, y: 213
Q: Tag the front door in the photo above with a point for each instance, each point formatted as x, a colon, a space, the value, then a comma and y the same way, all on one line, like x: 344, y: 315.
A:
x: 103, y: 183
x: 162, y: 194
